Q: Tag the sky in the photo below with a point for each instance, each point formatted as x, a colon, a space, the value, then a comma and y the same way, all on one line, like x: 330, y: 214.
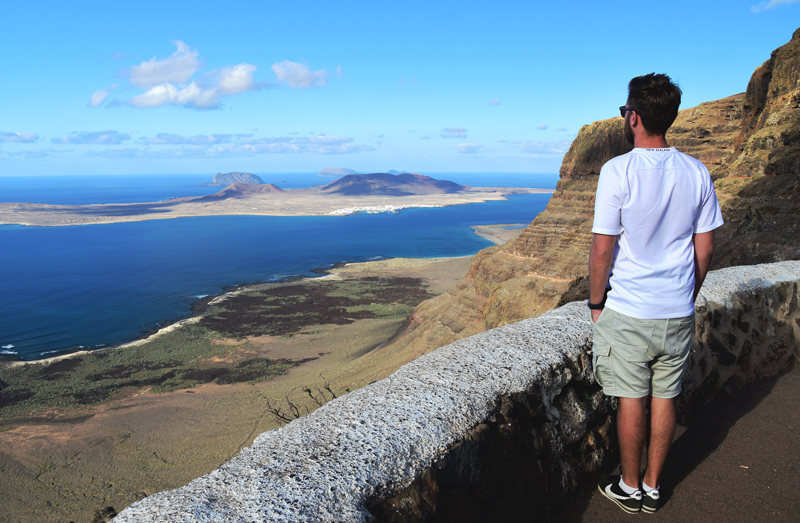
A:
x: 194, y: 87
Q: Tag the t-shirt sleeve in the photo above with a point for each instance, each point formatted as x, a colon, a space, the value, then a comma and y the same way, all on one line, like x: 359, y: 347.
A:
x: 607, y: 205
x: 709, y: 216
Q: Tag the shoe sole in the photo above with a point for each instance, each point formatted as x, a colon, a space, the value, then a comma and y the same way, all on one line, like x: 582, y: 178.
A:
x: 618, y: 502
x: 648, y: 510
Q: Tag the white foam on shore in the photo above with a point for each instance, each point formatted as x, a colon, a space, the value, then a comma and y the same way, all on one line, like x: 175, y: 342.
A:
x: 9, y: 346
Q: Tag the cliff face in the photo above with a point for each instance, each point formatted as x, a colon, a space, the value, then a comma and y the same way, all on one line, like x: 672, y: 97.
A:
x: 769, y: 141
x: 750, y: 143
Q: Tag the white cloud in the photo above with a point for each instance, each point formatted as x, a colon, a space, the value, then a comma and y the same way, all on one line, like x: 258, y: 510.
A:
x: 237, y: 79
x: 299, y: 76
x: 495, y: 101
x: 541, y: 127
x: 454, y: 132
x: 193, y: 147
x: 169, y: 82
x: 468, y: 148
x: 192, y: 96
x: 99, y: 97
x: 561, y: 129
x: 559, y: 147
x: 319, y: 144
x: 178, y: 68
x: 120, y: 152
x: 230, y: 80
x: 339, y: 72
x: 96, y: 138
x: 40, y: 153
x: 771, y: 4
x: 18, y: 137
x: 174, y: 139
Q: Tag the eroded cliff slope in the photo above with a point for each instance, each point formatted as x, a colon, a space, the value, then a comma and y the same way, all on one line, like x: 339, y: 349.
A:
x: 750, y: 143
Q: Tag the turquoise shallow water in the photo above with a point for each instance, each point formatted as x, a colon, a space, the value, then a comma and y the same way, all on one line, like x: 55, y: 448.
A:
x: 89, y: 286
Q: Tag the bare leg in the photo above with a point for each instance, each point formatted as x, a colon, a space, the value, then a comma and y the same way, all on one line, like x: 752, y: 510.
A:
x: 662, y: 430
x: 632, y: 430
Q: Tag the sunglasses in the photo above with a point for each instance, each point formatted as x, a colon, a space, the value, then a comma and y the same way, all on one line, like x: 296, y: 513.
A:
x: 623, y: 110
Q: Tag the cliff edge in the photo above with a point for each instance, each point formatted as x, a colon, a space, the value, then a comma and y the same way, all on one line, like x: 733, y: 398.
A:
x: 750, y: 143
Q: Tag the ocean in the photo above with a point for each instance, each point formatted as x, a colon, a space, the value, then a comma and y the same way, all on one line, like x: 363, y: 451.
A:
x: 68, y: 288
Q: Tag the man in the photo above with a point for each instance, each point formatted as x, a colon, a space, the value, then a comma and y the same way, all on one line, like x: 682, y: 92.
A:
x: 654, y: 221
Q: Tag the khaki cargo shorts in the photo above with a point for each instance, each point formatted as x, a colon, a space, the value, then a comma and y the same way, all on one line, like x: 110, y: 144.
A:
x: 635, y: 358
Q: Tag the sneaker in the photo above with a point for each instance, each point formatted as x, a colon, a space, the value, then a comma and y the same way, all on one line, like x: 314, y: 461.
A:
x: 650, y: 501
x: 609, y: 487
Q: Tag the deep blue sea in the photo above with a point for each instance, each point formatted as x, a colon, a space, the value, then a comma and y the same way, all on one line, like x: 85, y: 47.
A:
x: 91, y: 286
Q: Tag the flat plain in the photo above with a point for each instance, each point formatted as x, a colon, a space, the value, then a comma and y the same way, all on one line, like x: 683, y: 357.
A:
x: 105, y: 428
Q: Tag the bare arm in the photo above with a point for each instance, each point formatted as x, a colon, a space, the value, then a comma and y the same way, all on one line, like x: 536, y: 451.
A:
x: 599, y: 264
x: 703, y: 252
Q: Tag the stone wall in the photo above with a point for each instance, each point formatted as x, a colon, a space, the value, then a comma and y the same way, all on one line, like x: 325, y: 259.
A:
x: 491, y: 427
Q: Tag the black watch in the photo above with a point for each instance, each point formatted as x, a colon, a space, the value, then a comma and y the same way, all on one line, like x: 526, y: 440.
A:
x: 596, y: 306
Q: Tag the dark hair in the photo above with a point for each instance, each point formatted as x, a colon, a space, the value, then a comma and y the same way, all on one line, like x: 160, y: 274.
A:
x: 656, y: 99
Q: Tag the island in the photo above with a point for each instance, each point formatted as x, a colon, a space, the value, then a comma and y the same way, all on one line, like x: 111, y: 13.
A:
x: 225, y: 179
x: 352, y: 193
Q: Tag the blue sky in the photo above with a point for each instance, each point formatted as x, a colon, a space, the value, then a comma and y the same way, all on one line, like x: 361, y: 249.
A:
x: 194, y: 87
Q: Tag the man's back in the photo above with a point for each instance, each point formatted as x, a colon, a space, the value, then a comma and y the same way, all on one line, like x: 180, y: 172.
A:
x: 655, y: 200
x: 655, y: 215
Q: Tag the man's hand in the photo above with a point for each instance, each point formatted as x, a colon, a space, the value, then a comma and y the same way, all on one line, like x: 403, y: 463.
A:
x: 596, y: 315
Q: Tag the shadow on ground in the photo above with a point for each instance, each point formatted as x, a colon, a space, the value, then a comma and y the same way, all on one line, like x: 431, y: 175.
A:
x: 737, y: 459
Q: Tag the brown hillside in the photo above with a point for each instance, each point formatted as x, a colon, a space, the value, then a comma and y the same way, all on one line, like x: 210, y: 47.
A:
x: 239, y: 190
x: 751, y: 144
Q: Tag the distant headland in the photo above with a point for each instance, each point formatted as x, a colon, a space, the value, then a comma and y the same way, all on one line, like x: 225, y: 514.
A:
x: 248, y: 194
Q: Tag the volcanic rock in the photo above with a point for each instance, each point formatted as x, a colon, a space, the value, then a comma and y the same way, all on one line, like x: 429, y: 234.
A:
x: 224, y: 179
x: 390, y: 185
x: 242, y: 190
x: 750, y: 143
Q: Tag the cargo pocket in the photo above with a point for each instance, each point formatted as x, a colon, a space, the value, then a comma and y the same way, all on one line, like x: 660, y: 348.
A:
x: 601, y: 363
x: 632, y: 372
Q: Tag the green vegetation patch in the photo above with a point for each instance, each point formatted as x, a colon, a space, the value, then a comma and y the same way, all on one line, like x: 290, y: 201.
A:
x: 285, y: 310
x: 179, y: 359
x: 171, y: 361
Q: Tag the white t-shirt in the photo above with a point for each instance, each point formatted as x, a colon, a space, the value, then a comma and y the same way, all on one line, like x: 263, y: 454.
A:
x: 654, y: 199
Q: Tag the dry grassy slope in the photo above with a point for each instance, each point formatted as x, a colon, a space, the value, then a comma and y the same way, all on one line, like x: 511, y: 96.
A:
x: 546, y: 265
